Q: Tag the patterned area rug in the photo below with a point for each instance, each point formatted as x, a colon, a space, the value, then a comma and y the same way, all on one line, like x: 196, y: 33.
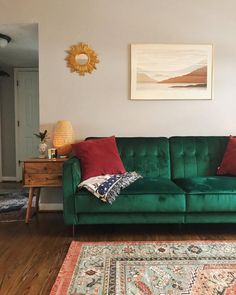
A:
x: 148, y: 268
x: 13, y: 206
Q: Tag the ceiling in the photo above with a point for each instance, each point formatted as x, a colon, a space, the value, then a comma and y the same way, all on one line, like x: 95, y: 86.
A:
x: 22, y: 51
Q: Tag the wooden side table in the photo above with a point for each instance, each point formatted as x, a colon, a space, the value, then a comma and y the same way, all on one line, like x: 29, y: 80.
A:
x: 39, y: 173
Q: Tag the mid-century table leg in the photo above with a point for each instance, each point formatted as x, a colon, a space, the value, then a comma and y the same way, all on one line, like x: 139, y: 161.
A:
x: 31, y: 192
x: 37, y: 199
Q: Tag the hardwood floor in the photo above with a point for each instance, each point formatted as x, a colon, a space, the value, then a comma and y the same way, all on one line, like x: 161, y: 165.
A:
x: 31, y: 255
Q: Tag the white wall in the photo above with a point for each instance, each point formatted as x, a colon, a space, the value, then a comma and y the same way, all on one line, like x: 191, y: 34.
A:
x: 8, y: 125
x: 98, y: 104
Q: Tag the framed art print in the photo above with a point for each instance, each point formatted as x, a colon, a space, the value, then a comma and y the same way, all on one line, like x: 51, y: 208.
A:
x: 171, y: 71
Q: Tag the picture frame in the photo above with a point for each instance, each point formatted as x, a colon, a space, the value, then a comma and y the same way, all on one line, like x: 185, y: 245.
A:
x: 171, y: 71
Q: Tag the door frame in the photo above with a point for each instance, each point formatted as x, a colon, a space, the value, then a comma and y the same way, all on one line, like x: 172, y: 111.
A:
x: 17, y: 140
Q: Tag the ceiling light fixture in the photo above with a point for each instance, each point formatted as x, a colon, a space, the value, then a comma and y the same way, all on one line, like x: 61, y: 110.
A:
x: 4, y: 74
x: 4, y: 40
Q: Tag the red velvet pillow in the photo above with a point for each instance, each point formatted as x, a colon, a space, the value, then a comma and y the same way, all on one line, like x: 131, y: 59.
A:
x: 98, y: 157
x: 228, y: 164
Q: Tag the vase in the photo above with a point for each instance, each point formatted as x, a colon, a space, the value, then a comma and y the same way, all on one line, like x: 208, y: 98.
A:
x: 42, y: 149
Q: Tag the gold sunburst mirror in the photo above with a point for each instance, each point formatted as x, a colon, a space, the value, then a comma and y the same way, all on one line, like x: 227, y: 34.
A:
x: 81, y: 59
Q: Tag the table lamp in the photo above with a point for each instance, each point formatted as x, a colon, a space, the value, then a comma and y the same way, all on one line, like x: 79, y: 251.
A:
x: 63, y: 137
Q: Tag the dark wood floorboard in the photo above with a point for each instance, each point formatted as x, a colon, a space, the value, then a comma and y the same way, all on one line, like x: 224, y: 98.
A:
x: 31, y: 255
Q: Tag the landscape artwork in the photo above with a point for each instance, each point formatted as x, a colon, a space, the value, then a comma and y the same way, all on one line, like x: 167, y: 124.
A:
x: 171, y: 71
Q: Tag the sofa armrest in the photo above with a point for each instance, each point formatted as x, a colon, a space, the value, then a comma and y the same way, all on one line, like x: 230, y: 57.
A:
x: 71, y: 178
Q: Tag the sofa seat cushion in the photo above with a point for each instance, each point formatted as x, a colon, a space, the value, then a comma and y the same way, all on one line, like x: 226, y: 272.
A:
x: 209, y: 194
x: 144, y: 195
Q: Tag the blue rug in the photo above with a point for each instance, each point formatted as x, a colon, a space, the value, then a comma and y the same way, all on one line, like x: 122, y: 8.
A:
x: 13, y: 201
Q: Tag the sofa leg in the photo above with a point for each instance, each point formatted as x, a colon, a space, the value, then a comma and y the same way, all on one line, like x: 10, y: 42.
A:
x: 179, y: 226
x: 73, y: 230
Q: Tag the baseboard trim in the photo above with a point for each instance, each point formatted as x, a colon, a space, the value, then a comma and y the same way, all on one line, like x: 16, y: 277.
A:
x: 9, y: 178
x: 50, y: 206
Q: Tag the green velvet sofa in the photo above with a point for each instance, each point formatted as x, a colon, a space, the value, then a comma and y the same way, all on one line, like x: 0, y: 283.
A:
x: 179, y: 184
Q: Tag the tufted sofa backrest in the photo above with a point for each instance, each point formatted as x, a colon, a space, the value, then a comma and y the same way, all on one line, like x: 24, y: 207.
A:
x: 147, y: 155
x: 196, y: 155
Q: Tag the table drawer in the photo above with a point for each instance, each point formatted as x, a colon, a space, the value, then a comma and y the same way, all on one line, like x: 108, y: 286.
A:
x: 42, y: 180
x: 36, y: 168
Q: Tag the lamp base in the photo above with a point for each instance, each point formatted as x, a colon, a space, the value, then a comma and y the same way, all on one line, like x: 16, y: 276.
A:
x: 63, y: 157
x: 64, y: 150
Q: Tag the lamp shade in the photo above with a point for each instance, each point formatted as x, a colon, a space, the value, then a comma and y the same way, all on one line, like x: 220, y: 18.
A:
x: 4, y: 40
x: 63, y: 137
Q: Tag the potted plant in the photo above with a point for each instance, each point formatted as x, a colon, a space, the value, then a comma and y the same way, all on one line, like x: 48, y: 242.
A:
x: 42, y: 145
